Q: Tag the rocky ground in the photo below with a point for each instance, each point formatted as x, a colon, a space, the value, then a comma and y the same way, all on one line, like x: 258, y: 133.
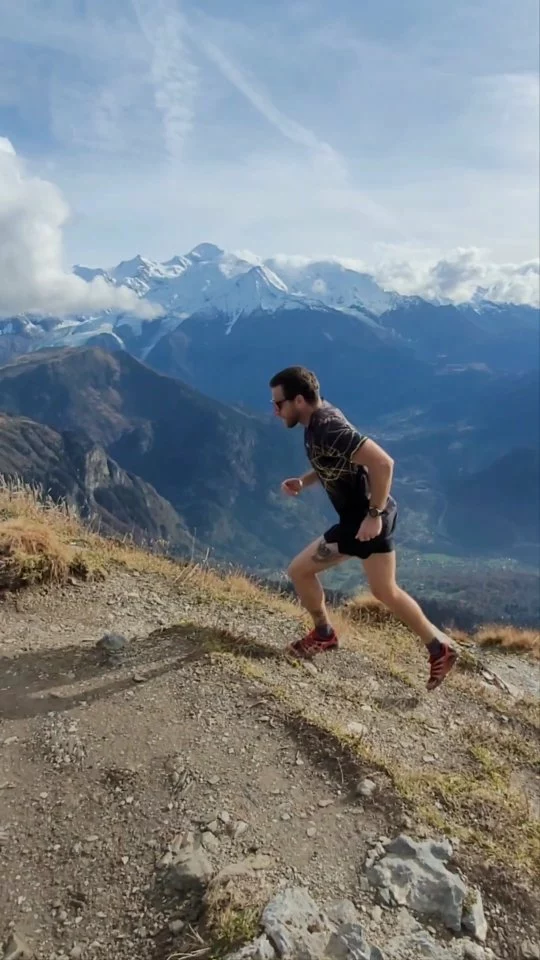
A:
x: 184, y: 789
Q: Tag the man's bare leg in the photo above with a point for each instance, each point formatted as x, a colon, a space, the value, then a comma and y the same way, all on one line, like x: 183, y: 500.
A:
x: 380, y: 570
x: 304, y: 570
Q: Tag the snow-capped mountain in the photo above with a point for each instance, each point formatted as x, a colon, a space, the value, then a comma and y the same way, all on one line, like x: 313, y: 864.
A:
x: 209, y: 278
x: 209, y: 294
x: 334, y: 284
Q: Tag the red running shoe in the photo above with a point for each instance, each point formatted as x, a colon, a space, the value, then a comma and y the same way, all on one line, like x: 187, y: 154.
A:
x: 312, y: 644
x: 441, y: 665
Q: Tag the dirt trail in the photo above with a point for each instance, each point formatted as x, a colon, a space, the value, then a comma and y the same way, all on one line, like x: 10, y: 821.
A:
x: 202, y: 721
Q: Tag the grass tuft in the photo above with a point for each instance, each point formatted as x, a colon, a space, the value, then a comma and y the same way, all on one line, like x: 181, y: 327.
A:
x: 232, y: 913
x: 364, y: 608
x: 32, y: 553
x: 509, y: 639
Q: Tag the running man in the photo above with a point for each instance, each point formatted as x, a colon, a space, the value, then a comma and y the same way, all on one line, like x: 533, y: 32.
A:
x: 357, y: 476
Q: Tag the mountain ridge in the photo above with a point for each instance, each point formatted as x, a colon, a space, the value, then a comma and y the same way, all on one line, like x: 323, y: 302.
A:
x: 219, y: 468
x: 210, y: 282
x: 71, y: 468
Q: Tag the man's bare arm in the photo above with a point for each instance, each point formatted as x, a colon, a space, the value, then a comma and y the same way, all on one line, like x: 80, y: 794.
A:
x: 309, y: 478
x: 380, y: 467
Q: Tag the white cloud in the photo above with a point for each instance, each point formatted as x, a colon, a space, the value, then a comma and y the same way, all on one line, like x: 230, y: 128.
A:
x: 32, y: 279
x: 173, y: 73
x: 459, y: 276
x: 293, y: 131
x: 455, y: 277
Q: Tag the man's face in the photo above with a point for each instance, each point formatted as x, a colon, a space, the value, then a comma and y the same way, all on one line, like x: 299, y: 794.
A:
x: 286, y: 410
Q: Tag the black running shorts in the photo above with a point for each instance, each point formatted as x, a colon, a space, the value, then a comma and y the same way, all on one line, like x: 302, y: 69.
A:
x: 344, y: 535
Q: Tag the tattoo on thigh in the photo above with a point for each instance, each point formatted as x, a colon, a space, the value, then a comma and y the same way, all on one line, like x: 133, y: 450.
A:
x: 323, y: 552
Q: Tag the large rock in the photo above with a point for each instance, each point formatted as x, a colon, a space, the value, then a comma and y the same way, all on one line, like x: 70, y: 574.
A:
x: 422, y: 946
x: 349, y: 944
x: 260, y: 949
x: 341, y: 912
x: 474, y: 919
x: 414, y: 875
x: 299, y: 930
x: 295, y: 925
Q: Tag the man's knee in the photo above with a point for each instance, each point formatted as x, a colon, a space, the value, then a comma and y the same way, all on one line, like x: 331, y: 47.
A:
x: 296, y: 569
x: 385, y: 593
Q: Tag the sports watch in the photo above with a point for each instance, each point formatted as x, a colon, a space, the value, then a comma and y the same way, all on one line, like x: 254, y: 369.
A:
x: 375, y: 512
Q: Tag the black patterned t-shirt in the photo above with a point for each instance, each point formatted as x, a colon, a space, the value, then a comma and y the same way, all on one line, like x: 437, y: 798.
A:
x: 330, y: 442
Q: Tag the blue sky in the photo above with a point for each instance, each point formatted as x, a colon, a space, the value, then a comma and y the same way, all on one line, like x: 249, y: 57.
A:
x: 358, y: 128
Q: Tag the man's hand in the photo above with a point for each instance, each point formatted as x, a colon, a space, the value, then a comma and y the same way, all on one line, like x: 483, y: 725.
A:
x: 370, y: 528
x: 292, y: 487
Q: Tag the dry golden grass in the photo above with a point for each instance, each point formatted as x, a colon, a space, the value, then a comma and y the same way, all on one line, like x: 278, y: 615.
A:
x: 511, y: 639
x: 62, y: 538
x: 364, y: 608
x: 23, y: 502
x: 31, y: 553
x: 61, y: 542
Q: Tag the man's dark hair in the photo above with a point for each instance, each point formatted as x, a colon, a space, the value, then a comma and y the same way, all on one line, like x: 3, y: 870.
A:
x: 297, y: 381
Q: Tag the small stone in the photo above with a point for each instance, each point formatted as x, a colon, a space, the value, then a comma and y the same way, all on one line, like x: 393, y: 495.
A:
x: 239, y: 829
x: 192, y: 870
x: 356, y: 729
x: 9, y: 740
x: 76, y: 953
x: 252, y: 864
x: 325, y: 803
x: 210, y: 842
x: 111, y: 643
x: 17, y: 948
x: 376, y: 914
x: 176, y: 927
x: 473, y: 951
x: 530, y: 950
x: 366, y: 788
x: 225, y: 817
x: 311, y: 832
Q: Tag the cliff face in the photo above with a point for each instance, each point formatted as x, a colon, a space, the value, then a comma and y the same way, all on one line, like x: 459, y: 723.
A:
x: 74, y: 469
x: 219, y: 467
